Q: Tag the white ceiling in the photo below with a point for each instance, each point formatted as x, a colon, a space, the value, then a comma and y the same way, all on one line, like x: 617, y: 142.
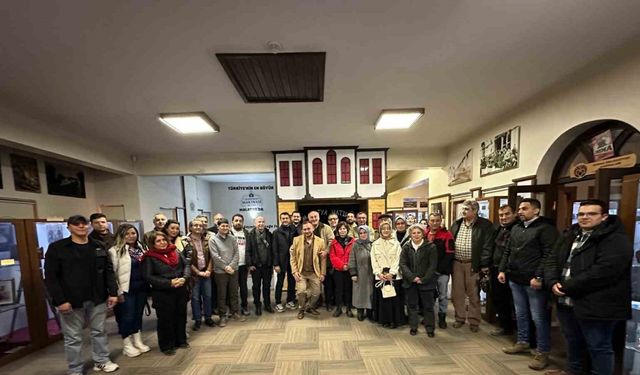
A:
x: 105, y: 69
x: 236, y: 178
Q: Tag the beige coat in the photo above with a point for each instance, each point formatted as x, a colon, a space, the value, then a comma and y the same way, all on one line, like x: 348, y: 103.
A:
x: 297, y: 255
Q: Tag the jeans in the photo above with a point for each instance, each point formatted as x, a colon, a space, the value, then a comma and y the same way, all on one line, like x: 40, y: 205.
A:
x: 594, y: 335
x: 129, y: 313
x: 201, y: 298
x: 72, y: 326
x: 443, y: 291
x: 291, y: 284
x: 532, y: 304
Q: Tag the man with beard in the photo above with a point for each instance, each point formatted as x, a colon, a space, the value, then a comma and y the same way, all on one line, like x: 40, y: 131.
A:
x: 353, y: 227
x: 241, y: 234
x: 100, y: 231
x: 216, y: 221
x: 296, y: 222
x: 324, y: 231
x: 308, y: 267
x: 282, y: 240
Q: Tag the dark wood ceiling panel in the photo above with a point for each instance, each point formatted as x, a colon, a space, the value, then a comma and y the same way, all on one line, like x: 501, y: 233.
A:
x: 276, y: 78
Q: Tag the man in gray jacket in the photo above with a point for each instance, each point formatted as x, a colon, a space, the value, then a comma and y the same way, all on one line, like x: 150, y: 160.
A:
x: 224, y: 251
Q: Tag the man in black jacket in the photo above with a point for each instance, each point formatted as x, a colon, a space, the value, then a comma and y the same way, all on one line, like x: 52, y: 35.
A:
x: 472, y: 234
x: 100, y: 231
x: 81, y: 283
x: 282, y: 241
x: 260, y: 262
x: 501, y: 298
x: 531, y: 242
x: 590, y: 271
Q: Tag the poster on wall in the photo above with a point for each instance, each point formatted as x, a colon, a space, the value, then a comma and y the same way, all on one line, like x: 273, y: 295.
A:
x: 461, y: 172
x: 602, y: 145
x: 501, y: 152
x: 248, y: 199
x: 25, y: 173
x: 66, y: 181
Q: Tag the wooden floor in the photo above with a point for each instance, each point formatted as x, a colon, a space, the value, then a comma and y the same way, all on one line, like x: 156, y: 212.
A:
x: 281, y: 344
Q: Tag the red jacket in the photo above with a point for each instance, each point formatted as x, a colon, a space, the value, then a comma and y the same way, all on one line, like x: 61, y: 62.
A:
x: 445, y: 243
x: 339, y: 255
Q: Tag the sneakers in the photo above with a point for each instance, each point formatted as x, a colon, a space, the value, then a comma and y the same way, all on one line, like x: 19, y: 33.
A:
x: 279, y: 308
x: 291, y: 305
x: 107, y: 366
x: 500, y: 332
x: 223, y: 322
x: 519, y: 347
x: 540, y: 361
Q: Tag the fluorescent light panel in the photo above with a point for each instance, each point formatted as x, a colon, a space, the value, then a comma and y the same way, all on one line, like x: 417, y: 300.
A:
x: 189, y: 123
x: 398, y: 118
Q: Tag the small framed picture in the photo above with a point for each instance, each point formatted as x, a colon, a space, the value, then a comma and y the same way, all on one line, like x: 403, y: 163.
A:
x: 7, y: 292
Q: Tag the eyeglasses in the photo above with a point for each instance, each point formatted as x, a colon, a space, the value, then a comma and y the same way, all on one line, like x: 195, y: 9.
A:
x: 333, y: 218
x: 589, y: 214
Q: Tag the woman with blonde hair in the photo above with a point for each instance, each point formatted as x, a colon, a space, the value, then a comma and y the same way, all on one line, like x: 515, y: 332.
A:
x: 126, y: 256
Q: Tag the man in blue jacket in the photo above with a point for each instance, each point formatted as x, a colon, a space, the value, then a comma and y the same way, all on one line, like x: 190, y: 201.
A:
x: 80, y: 280
x: 589, y: 272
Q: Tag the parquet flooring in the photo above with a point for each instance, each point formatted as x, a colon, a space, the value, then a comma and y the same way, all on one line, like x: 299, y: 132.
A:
x: 281, y: 344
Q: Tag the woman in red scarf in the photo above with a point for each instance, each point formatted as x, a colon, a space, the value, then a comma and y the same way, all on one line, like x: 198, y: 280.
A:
x: 167, y: 271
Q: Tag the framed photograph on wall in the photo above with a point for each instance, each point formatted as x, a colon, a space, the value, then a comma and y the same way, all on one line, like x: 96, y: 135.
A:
x: 461, y: 171
x: 7, y: 292
x: 500, y: 153
x: 25, y: 173
x: 66, y: 181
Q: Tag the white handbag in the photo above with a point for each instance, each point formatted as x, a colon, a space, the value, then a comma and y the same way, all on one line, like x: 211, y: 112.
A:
x: 388, y: 291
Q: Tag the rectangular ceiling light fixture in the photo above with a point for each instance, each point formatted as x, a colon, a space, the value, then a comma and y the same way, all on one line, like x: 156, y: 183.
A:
x: 189, y: 122
x: 398, y: 118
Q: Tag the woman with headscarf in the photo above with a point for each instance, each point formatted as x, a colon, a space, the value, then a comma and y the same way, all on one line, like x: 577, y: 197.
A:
x: 385, y: 263
x: 400, y: 231
x: 167, y: 271
x: 361, y: 272
x: 126, y: 257
x: 339, y: 256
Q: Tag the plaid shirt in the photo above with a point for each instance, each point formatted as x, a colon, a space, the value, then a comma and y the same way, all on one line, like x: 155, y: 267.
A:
x: 463, y: 241
x: 566, y: 271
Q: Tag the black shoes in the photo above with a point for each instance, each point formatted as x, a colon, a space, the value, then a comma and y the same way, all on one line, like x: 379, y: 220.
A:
x: 184, y: 345
x: 171, y: 351
x: 313, y: 311
x: 413, y: 332
x: 258, y: 310
x: 269, y: 309
x: 361, y: 315
x: 209, y: 322
x: 431, y: 334
x: 244, y: 311
x: 338, y: 312
x: 442, y: 320
x: 349, y: 312
x: 196, y: 325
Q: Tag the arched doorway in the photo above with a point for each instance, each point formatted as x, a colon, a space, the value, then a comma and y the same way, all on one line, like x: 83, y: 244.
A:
x: 597, y: 159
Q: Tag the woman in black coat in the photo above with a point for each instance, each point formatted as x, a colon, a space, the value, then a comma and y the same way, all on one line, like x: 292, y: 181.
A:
x: 418, y: 261
x: 167, y: 271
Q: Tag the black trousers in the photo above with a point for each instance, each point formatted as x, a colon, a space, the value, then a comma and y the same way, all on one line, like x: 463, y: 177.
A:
x: 502, y: 301
x: 329, y: 287
x: 343, y: 287
x: 261, y: 279
x: 214, y: 294
x: 243, y: 275
x: 291, y: 284
x: 171, y: 310
x: 415, y: 294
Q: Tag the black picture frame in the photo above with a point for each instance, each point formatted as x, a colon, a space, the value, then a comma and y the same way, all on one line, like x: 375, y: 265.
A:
x: 65, y: 181
x: 25, y: 173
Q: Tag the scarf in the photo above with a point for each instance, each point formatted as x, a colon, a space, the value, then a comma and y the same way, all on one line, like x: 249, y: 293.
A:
x: 368, y: 240
x: 136, y: 252
x: 168, y: 256
x: 343, y: 241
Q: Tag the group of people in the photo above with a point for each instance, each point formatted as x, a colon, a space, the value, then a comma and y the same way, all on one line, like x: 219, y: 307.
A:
x: 391, y: 276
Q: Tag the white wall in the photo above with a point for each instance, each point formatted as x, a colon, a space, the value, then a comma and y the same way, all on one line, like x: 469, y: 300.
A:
x: 156, y: 192
x: 231, y: 198
x: 112, y: 189
x: 198, y: 196
x: 606, y: 89
x: 48, y: 205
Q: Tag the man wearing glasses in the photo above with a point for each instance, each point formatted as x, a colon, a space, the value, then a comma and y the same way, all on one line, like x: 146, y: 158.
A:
x: 590, y: 272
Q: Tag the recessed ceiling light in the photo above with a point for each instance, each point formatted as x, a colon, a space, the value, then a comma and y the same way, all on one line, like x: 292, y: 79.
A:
x: 189, y: 123
x: 398, y: 118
